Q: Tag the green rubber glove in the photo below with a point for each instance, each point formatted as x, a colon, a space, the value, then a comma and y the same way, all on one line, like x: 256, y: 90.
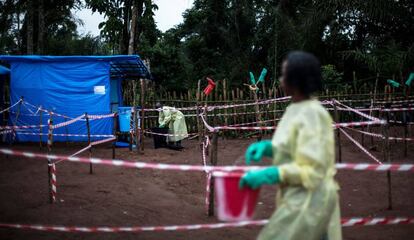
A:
x: 393, y: 83
x: 262, y: 75
x: 256, y: 178
x: 410, y: 79
x: 256, y: 151
x: 252, y: 80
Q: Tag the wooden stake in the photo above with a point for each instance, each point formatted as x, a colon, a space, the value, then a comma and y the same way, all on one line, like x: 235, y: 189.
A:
x: 226, y: 119
x: 338, y: 133
x: 49, y: 150
x: 17, y: 118
x: 136, y: 113
x: 198, y: 112
x: 258, y: 115
x: 387, y: 159
x: 116, y: 136
x: 40, y: 127
x: 213, y: 162
x: 67, y: 133
x: 88, y: 128
x: 142, y: 82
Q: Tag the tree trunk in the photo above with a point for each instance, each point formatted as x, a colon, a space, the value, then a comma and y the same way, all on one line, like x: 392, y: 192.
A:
x: 139, y: 26
x: 123, y: 41
x: 133, y: 29
x: 29, y: 23
x: 41, y: 33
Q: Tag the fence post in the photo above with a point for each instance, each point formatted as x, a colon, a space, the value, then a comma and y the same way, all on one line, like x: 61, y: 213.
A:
x: 387, y: 158
x: 17, y: 117
x: 40, y: 127
x: 115, y: 135
x: 51, y: 182
x: 198, y: 112
x: 136, y: 125
x: 88, y: 128
x: 213, y: 162
x: 226, y: 120
x: 258, y: 114
x: 338, y: 132
x: 142, y: 82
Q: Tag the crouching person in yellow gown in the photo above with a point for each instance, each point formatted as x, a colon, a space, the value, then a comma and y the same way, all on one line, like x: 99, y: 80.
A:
x: 175, y: 121
x: 303, y: 153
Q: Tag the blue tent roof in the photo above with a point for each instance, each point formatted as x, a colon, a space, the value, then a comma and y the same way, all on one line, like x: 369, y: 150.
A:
x: 4, y: 70
x: 122, y: 66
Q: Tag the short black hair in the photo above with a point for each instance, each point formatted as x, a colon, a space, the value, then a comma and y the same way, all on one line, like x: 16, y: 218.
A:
x: 303, y: 72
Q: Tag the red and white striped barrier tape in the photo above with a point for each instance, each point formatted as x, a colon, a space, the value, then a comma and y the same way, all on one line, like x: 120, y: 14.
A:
x: 359, y: 109
x: 400, y: 139
x: 177, y: 167
x: 7, y: 109
x: 360, y: 146
x: 282, y: 99
x: 393, y: 102
x: 22, y: 127
x: 358, y: 112
x: 53, y: 182
x: 401, y: 122
x: 381, y: 136
x: 252, y: 123
x: 367, y: 133
x: 64, y: 135
x: 63, y: 124
x: 50, y: 134
x: 93, y: 144
x: 215, y: 129
x: 78, y: 152
x: 6, y: 132
x: 208, y: 174
x: 244, y: 128
x: 103, y: 141
x: 171, y: 135
x: 93, y: 117
x: 210, y: 108
x: 397, y: 109
x: 359, y: 124
x: 349, y: 222
x: 336, y: 125
x: 210, y: 128
x: 375, y: 167
x: 345, y: 222
x: 46, y: 111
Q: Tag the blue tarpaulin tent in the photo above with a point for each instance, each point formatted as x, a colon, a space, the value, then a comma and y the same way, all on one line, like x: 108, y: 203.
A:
x: 71, y: 86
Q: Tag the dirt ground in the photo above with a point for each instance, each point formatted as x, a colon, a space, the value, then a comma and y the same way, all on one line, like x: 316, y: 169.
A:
x: 114, y: 196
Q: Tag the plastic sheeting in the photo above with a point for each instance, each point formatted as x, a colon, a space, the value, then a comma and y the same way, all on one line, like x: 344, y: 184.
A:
x: 70, y: 86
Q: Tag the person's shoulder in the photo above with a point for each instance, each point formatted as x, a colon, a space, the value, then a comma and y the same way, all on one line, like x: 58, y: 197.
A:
x: 313, y: 114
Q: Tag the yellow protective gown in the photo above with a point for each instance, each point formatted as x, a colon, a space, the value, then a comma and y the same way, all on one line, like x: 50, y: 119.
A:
x: 175, y: 121
x: 307, y: 200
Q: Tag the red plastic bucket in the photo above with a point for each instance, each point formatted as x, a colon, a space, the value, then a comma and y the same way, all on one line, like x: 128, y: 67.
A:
x: 233, y: 203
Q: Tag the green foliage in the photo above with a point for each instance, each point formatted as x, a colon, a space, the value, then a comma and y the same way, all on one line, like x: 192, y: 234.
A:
x: 230, y: 38
x: 330, y: 75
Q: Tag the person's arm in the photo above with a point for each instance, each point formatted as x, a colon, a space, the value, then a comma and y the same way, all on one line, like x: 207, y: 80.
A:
x: 166, y: 117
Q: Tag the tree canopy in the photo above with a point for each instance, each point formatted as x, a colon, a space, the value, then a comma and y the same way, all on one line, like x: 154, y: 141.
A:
x: 224, y: 38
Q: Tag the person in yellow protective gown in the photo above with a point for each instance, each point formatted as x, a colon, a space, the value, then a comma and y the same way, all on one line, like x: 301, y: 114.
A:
x: 175, y: 121
x: 303, y: 153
